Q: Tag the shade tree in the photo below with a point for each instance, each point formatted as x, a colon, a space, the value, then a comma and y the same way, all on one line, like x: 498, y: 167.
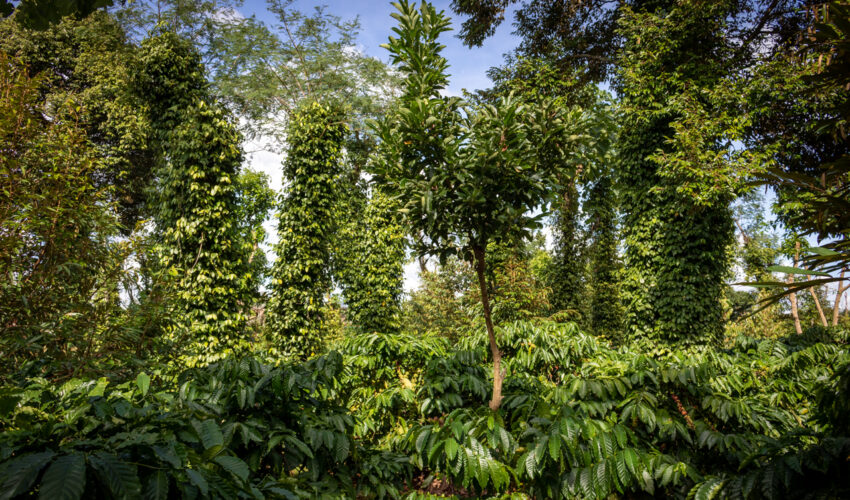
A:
x: 59, y: 259
x: 300, y: 276
x: 371, y: 274
x: 466, y: 175
x: 675, y: 65
x: 90, y: 61
x: 200, y: 242
x: 264, y: 70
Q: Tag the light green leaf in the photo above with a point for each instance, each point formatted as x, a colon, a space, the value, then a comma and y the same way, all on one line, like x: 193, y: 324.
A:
x: 143, y: 382
x: 822, y: 251
x: 555, y: 446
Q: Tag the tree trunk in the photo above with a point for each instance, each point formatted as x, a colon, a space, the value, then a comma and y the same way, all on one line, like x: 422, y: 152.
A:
x: 423, y: 261
x: 480, y: 268
x: 812, y: 291
x: 793, y: 296
x: 817, y: 304
x: 838, y: 294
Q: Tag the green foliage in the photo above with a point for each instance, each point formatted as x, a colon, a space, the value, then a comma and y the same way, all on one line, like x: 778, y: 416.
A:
x: 90, y: 62
x: 61, y: 266
x: 255, y: 199
x: 465, y: 174
x: 442, y: 305
x: 197, y: 219
x: 416, y: 51
x: 517, y: 281
x: 384, y: 373
x: 576, y: 38
x: 371, y: 271
x: 549, y: 350
x: 306, y: 225
x: 400, y: 410
x: 41, y: 14
x: 581, y: 420
x: 468, y: 446
x: 448, y: 301
x: 238, y: 427
x: 576, y: 244
x: 675, y: 257
x: 760, y: 248
x: 812, y: 174
x: 538, y: 78
x: 263, y: 67
x: 498, y: 189
x: 567, y: 275
x: 832, y: 401
x: 454, y: 381
x: 604, y: 306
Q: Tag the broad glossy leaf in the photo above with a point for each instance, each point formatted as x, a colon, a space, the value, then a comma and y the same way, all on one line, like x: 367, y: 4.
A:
x: 65, y: 479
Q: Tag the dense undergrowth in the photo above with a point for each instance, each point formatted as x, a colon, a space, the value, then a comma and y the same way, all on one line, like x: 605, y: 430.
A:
x: 405, y: 415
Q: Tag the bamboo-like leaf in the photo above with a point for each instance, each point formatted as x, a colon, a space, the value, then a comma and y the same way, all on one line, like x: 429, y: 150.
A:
x: 796, y: 270
x: 823, y: 251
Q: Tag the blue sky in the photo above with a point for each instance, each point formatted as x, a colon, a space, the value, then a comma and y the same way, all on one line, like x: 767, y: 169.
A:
x: 467, y: 67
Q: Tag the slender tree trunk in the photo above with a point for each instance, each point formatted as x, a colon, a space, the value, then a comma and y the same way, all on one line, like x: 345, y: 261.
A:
x: 812, y: 291
x: 838, y: 294
x: 423, y: 261
x: 817, y: 304
x: 793, y: 296
x: 794, y: 314
x: 480, y: 268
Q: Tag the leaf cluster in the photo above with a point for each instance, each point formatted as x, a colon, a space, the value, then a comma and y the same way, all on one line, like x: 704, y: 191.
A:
x: 238, y: 428
x: 581, y: 420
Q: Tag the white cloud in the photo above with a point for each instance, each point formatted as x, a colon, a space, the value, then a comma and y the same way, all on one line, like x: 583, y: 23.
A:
x: 227, y: 15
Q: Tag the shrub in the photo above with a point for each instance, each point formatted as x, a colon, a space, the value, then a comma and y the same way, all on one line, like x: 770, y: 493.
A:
x: 239, y: 427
